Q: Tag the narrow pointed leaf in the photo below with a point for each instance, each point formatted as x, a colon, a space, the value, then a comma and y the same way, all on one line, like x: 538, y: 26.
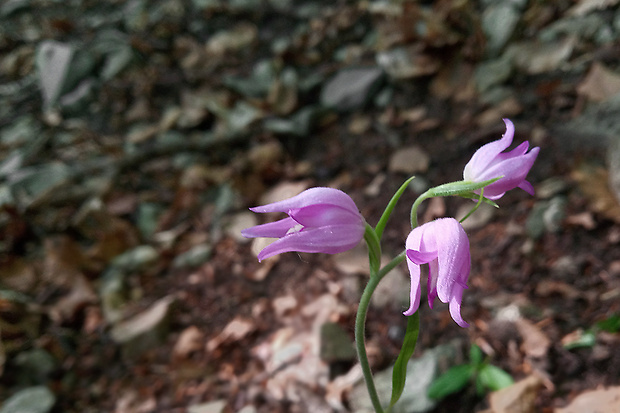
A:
x: 390, y: 207
x: 494, y: 378
x: 452, y: 381
x: 475, y: 355
x: 399, y: 372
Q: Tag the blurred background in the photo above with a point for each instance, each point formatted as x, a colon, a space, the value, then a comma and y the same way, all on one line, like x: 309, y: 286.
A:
x: 135, y: 134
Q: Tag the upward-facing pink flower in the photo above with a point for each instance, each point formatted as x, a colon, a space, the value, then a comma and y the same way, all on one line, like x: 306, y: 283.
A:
x: 489, y: 162
x: 319, y: 220
x: 443, y: 245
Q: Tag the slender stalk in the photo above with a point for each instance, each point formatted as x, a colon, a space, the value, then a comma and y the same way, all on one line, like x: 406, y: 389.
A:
x: 474, y: 208
x: 360, y: 328
x: 416, y: 204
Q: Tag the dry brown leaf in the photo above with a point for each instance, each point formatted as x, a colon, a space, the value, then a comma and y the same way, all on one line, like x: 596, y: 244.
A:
x: 436, y: 208
x: 518, y: 398
x: 18, y: 274
x: 237, y: 329
x: 583, y: 219
x: 535, y: 342
x: 593, y: 182
x: 595, y: 401
x: 80, y: 295
x: 282, y: 305
x: 189, y: 341
x: 536, y: 57
x: 336, y: 389
x: 354, y: 261
x: 599, y: 84
x: 546, y: 288
x: 63, y: 259
x: 505, y: 108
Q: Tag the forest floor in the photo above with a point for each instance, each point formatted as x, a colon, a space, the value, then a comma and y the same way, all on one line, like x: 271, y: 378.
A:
x: 135, y: 134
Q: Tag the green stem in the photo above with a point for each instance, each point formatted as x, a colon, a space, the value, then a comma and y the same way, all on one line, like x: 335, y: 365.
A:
x: 374, y: 249
x: 416, y: 204
x: 474, y: 208
x: 360, y: 327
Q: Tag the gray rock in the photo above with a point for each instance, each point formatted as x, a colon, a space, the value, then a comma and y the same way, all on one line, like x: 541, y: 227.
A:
x: 392, y: 291
x: 498, y: 22
x: 53, y: 62
x: 114, y: 294
x: 594, y: 129
x: 351, y: 89
x: 336, y: 345
x: 409, y: 160
x: 420, y: 374
x: 193, y: 257
x: 492, y: 73
x: 613, y: 161
x: 34, y: 366
x: 546, y: 216
x: 136, y: 259
x: 37, y: 399
x: 32, y: 186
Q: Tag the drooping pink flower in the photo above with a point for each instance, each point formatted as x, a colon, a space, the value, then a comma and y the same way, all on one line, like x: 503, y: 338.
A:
x: 319, y: 220
x: 443, y: 245
x: 489, y: 162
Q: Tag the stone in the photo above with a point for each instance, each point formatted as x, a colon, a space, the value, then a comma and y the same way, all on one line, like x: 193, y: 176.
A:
x: 351, y: 88
x: 498, y: 22
x: 613, y: 162
x: 38, y: 399
x: 421, y: 372
x: 409, y: 160
x: 136, y: 259
x: 336, y: 345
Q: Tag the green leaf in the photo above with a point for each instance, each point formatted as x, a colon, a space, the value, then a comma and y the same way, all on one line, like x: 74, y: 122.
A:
x: 475, y: 355
x: 587, y: 339
x: 480, y: 388
x: 460, y: 187
x: 610, y: 324
x: 475, y: 196
x: 494, y: 378
x: 399, y: 372
x: 390, y: 207
x: 452, y: 381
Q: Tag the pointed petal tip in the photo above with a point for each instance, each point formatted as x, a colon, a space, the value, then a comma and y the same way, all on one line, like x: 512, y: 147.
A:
x: 410, y: 311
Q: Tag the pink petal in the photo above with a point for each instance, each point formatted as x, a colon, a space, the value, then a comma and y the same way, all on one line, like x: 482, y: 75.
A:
x: 453, y: 255
x: 431, y: 284
x: 312, y: 196
x: 513, y: 170
x: 330, y: 240
x: 421, y: 257
x: 527, y: 187
x: 321, y: 215
x: 455, y: 307
x: 275, y: 229
x: 487, y: 153
x: 416, y: 289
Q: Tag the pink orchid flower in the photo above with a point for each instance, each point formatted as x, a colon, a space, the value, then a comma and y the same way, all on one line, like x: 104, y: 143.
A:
x: 489, y: 162
x: 319, y: 220
x: 443, y: 245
